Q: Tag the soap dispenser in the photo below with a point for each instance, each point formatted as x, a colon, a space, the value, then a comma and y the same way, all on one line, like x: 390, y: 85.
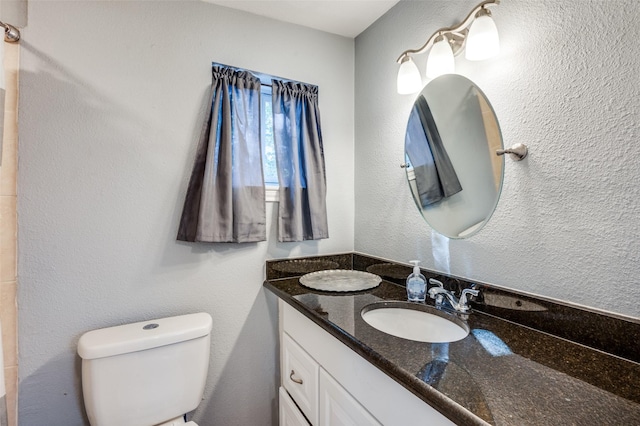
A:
x: 416, y: 284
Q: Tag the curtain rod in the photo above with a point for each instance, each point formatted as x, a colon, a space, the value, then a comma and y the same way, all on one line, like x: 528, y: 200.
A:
x: 11, y: 33
x: 262, y: 76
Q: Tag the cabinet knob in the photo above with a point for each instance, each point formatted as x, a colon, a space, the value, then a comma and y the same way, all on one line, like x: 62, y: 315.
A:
x: 293, y: 379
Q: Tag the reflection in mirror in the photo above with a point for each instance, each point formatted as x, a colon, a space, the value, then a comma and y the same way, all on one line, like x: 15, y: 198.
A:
x: 450, y: 145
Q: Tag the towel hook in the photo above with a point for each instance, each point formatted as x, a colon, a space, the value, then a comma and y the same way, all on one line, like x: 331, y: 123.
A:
x: 518, y: 152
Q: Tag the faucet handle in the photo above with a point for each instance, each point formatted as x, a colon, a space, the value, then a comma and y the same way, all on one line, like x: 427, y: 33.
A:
x: 435, y: 282
x: 464, y: 303
x: 436, y: 290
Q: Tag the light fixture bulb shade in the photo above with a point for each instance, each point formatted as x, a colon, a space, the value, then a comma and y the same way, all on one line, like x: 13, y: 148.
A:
x: 409, y: 80
x: 483, y: 41
x: 440, y: 60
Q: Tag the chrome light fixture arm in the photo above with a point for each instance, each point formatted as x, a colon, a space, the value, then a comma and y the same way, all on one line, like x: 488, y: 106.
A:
x: 456, y: 34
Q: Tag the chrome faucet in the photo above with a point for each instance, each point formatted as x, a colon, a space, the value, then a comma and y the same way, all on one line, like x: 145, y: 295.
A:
x: 439, y: 294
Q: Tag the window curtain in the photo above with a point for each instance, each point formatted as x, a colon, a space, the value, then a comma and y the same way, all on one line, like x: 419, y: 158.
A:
x: 300, y: 158
x: 225, y: 198
x: 435, y: 176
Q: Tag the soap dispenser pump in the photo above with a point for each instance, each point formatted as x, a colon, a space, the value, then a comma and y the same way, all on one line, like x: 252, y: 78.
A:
x: 416, y: 284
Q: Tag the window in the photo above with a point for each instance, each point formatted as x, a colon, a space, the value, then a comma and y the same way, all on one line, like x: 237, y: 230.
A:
x: 269, y: 167
x: 268, y: 146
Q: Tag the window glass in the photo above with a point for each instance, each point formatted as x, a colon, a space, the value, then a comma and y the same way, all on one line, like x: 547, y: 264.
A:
x: 268, y: 146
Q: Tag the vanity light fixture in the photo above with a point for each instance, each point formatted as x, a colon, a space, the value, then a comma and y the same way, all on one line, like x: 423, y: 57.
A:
x: 440, y: 60
x: 477, y: 33
x: 483, y: 41
x: 408, y: 76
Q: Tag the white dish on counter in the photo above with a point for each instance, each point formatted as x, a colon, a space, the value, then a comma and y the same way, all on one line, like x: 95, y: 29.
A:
x: 340, y: 280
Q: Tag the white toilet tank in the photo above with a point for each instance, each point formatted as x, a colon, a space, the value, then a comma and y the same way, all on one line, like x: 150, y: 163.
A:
x: 145, y: 373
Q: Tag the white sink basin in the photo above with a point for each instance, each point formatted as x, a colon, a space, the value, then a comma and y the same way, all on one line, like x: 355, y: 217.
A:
x: 413, y: 321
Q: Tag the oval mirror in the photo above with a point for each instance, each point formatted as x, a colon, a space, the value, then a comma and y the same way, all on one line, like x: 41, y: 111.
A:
x: 450, y: 152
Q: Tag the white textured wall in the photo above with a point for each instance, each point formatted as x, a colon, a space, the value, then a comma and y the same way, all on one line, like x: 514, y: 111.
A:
x: 566, y: 84
x: 14, y: 12
x: 111, y: 99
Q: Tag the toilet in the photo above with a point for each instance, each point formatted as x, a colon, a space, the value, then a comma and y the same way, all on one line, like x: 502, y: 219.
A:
x: 147, y: 373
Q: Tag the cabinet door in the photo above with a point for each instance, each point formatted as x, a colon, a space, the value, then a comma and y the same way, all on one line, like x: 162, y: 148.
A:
x: 338, y: 407
x: 300, y: 377
x: 290, y: 415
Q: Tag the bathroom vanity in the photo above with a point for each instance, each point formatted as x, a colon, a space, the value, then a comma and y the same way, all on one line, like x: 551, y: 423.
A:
x: 332, y: 385
x: 337, y: 369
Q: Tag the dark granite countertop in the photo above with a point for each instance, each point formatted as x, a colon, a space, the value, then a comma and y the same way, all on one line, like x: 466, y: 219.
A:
x: 526, y: 361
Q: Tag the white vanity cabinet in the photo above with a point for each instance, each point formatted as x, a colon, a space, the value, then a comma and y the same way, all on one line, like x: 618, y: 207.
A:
x: 334, y: 386
x: 318, y: 395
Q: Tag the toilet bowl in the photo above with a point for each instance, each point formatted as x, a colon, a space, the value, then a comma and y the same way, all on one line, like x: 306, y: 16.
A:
x: 147, y: 373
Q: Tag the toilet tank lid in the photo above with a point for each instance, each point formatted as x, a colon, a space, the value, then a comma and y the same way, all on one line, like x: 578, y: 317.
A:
x: 143, y: 335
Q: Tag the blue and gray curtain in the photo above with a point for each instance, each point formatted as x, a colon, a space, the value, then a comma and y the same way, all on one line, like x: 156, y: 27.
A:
x: 225, y: 199
x: 296, y: 120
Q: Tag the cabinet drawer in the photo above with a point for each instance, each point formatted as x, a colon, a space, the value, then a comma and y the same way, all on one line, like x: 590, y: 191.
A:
x: 338, y: 407
x: 290, y: 415
x: 300, y: 377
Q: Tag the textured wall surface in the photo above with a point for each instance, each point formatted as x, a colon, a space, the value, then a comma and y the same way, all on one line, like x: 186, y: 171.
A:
x: 111, y: 102
x: 566, y: 84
